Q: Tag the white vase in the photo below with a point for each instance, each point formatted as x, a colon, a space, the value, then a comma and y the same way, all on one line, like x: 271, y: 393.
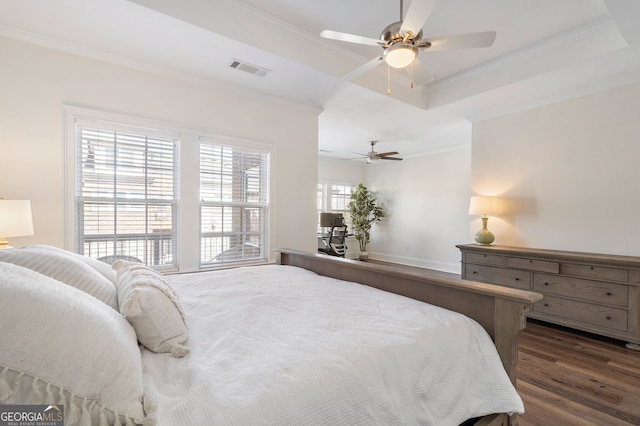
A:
x: 364, y: 256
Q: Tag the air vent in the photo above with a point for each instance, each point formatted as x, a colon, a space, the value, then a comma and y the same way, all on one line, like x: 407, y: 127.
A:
x: 250, y: 68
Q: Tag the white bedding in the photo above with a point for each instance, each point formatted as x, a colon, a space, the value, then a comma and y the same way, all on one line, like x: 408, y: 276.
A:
x: 279, y: 345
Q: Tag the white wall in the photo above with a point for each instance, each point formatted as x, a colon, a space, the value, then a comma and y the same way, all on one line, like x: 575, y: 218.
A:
x: 568, y: 172
x: 341, y: 171
x: 36, y: 82
x: 426, y: 201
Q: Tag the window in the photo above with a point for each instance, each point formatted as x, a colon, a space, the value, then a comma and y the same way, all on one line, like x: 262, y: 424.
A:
x: 334, y: 198
x: 234, y: 204
x: 125, y: 187
x: 139, y: 187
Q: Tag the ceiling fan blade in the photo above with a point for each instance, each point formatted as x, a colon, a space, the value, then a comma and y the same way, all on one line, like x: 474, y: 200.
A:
x: 390, y: 158
x: 351, y: 38
x: 417, y: 15
x: 364, y: 68
x: 386, y: 154
x: 460, y: 41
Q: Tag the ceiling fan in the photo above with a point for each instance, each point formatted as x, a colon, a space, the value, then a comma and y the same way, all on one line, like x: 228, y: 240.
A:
x: 372, y: 156
x: 401, y: 41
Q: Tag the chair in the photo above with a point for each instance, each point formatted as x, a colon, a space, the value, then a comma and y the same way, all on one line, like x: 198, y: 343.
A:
x: 332, y: 242
x: 336, y: 240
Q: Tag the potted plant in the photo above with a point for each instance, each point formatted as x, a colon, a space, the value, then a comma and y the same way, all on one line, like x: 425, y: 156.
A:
x: 364, y: 211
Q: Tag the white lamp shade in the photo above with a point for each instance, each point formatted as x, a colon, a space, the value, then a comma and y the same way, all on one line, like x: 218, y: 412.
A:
x: 480, y: 206
x: 15, y: 218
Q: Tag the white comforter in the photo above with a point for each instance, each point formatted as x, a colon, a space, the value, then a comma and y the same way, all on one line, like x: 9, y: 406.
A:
x: 279, y: 345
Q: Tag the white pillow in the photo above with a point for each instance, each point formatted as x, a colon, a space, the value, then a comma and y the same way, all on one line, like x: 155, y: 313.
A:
x: 101, y: 267
x: 62, y: 346
x: 65, y: 268
x: 151, y: 305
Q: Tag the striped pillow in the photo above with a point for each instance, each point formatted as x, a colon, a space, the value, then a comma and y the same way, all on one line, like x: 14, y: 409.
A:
x: 103, y: 268
x: 64, y: 268
x: 62, y: 346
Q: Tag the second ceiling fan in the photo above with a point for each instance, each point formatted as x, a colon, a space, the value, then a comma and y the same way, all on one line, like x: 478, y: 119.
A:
x: 373, y: 156
x: 401, y: 41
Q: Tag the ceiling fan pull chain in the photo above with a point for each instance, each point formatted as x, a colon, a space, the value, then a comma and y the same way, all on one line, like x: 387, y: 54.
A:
x: 411, y: 73
x: 388, y: 79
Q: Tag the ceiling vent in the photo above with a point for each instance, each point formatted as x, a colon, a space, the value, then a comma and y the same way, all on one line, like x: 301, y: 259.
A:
x: 250, y: 68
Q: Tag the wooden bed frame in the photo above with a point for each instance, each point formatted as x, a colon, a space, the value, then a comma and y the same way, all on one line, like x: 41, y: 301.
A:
x: 500, y: 310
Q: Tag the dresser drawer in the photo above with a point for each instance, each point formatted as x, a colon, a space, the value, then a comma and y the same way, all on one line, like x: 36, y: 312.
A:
x: 507, y: 277
x: 595, y: 272
x: 602, y: 316
x: 513, y: 262
x: 577, y: 288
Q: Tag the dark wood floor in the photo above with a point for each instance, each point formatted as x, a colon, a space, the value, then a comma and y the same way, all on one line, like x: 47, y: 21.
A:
x: 571, y: 378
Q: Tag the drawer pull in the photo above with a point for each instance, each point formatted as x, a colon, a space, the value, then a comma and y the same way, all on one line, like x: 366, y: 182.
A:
x: 608, y: 293
x: 517, y: 279
x: 474, y: 272
x: 546, y: 304
x: 546, y: 283
x: 608, y: 317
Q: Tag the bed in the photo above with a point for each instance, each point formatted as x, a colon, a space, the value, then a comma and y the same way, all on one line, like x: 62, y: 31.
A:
x: 299, y: 342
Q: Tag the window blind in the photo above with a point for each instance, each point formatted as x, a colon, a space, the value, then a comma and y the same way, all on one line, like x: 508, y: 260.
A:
x: 126, y: 194
x: 234, y: 209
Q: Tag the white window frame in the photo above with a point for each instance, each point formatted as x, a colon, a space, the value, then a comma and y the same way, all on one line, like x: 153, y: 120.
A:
x: 264, y: 206
x: 326, y: 187
x: 188, y: 203
x: 81, y: 117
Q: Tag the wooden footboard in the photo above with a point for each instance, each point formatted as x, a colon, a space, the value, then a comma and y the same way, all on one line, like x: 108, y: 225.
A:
x: 500, y: 310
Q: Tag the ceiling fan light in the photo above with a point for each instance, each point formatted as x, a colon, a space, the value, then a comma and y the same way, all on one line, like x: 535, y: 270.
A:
x: 400, y: 55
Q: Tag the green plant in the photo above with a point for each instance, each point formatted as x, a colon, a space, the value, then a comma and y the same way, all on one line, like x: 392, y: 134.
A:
x: 364, y: 211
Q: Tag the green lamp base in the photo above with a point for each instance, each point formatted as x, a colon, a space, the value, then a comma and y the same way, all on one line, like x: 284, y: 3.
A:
x: 484, y: 236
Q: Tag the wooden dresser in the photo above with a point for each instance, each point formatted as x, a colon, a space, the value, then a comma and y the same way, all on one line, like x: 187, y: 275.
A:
x: 597, y: 293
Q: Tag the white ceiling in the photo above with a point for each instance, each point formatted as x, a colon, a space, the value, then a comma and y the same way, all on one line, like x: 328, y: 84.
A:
x: 545, y: 51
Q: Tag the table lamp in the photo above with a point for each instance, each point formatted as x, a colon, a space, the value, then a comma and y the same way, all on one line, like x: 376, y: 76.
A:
x: 15, y: 220
x: 484, y: 206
